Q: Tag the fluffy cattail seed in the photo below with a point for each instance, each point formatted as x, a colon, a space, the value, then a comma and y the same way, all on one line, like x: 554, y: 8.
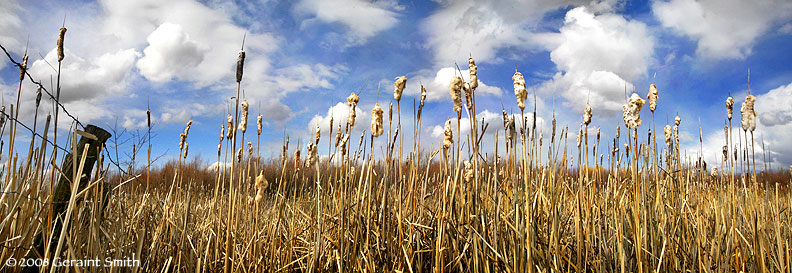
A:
x: 677, y: 120
x: 239, y: 155
x: 748, y: 113
x: 448, y: 135
x: 376, y: 121
x: 473, y: 69
x: 714, y: 172
x: 455, y: 89
x: 511, y: 127
x: 632, y: 111
x: 297, y: 159
x: 468, y: 95
x: 312, y: 154
x: 240, y: 65
x: 468, y: 171
x: 261, y: 185
x: 729, y: 107
x: 338, y: 136
x: 725, y: 152
x: 250, y: 148
x: 618, y: 131
x: 667, y: 131
x: 259, y: 124
x: 230, y: 131
x: 243, y: 119
x: 652, y: 97
x: 318, y: 134
x: 423, y: 95
x: 587, y: 114
x: 222, y: 132
x: 352, y: 102
x: 61, y: 35
x: 579, y: 136
x: 398, y: 87
x: 519, y: 89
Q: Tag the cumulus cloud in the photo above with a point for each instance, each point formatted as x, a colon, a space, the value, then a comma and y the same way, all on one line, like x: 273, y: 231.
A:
x: 170, y: 53
x: 722, y: 29
x: 597, y: 55
x: 364, y: 19
x: 437, y: 85
x: 10, y: 27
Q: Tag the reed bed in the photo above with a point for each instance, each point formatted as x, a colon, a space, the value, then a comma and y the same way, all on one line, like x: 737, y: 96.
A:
x: 449, y: 207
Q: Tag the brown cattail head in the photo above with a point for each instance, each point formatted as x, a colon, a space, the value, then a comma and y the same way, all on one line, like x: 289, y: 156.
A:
x: 318, y: 134
x: 473, y: 69
x: 448, y: 135
x: 652, y: 97
x: 222, y: 132
x: 240, y: 66
x: 552, y: 137
x: 23, y: 67
x: 353, y: 100
x: 230, y: 131
x: 244, y: 118
x: 343, y: 145
x: 259, y: 124
x: 729, y: 107
x: 598, y: 134
x: 455, y: 89
x: 312, y: 154
x: 398, y: 87
x: 2, y: 115
x: 725, y: 152
x: 423, y: 95
x: 250, y: 148
x: 261, y: 185
x: 376, y: 121
x: 61, y: 35
x: 186, y: 147
x: 219, y: 148
x: 632, y: 111
x: 519, y: 89
x: 338, y: 136
x: 511, y: 129
x: 390, y: 111
x: 587, y: 114
x: 677, y: 120
x: 38, y: 101
x: 714, y: 172
x: 748, y: 113
x: 579, y: 136
x: 618, y: 131
x: 239, y: 155
x: 468, y: 95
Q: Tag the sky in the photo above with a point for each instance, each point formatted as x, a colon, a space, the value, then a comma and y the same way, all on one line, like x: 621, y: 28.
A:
x: 305, y: 57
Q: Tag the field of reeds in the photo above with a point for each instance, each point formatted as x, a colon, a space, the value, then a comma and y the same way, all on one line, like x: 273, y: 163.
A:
x: 596, y: 205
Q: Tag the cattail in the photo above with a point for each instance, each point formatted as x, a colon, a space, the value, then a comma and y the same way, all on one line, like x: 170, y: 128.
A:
x: 318, y: 134
x: 618, y: 131
x: 468, y: 95
x: 243, y: 119
x: 398, y: 87
x: 748, y: 114
x: 38, y: 100
x: 343, y: 146
x: 449, y: 135
x: 3, y: 115
x: 338, y: 136
x: 250, y: 148
x: 239, y: 155
x: 512, y: 132
x: 714, y: 172
x: 468, y: 171
x: 519, y: 89
x: 552, y: 138
x: 312, y: 154
x: 677, y: 121
x: 258, y: 124
x: 240, y: 65
x: 183, y: 136
x: 455, y: 90
x: 376, y: 121
x: 23, y: 67
x: 587, y: 114
x: 61, y: 35
x: 186, y: 147
x: 222, y: 132
x: 297, y: 159
x: 598, y: 134
x: 261, y: 185
x: 626, y: 148
x: 729, y: 107
x: 219, y: 148
x: 667, y: 131
x: 632, y: 111
x: 579, y: 136
x: 725, y: 152
x: 473, y: 69
x: 390, y: 111
x: 352, y: 101
x: 423, y: 95
x: 652, y: 97
x: 230, y: 131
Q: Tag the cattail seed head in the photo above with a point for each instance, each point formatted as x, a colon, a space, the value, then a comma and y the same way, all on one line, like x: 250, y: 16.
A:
x: 222, y: 132
x: 455, y: 89
x: 376, y: 121
x: 652, y: 97
x: 448, y: 135
x: 239, y: 155
x: 2, y: 115
x: 318, y: 134
x: 468, y: 171
x: 353, y: 100
x: 714, y: 172
x: 259, y: 124
x: 748, y: 113
x: 468, y: 95
x: 729, y: 107
x: 38, y: 101
x: 261, y: 185
x: 519, y: 89
x: 338, y: 136
x: 250, y: 148
x: 423, y: 95
x: 219, y: 148
x: 579, y: 136
x: 618, y: 131
x: 473, y: 69
x: 343, y: 146
x: 511, y: 128
x: 598, y: 134
x: 312, y: 154
x: 632, y: 111
x: 297, y: 159
x: 23, y: 67
x: 186, y: 147
x: 587, y: 114
x: 61, y: 35
x: 240, y: 65
x: 725, y: 152
x: 244, y: 118
x: 230, y: 131
x: 667, y: 131
x: 398, y: 87
x: 677, y: 120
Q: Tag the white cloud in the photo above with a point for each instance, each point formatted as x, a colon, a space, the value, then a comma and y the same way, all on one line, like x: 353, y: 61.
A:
x: 363, y: 18
x: 10, y: 28
x: 170, y: 53
x: 723, y: 29
x: 597, y: 55
x: 437, y: 86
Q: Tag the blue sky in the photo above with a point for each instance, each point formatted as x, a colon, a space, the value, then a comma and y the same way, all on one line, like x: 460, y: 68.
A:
x: 304, y: 57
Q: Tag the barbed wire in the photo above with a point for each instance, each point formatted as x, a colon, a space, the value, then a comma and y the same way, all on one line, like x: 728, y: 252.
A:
x: 30, y: 77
